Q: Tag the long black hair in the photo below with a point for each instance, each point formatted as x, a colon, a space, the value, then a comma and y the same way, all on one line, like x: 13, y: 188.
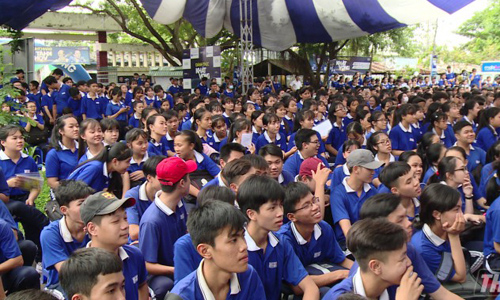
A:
x: 56, y: 137
x: 436, y: 197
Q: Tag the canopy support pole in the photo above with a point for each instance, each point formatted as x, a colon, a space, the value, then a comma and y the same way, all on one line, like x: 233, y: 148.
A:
x: 246, y: 45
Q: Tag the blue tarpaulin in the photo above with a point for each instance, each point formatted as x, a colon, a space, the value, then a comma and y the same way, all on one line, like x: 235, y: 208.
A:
x: 19, y: 13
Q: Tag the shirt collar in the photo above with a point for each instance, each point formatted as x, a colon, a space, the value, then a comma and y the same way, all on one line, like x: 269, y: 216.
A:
x: 435, y: 240
x: 66, y: 148
x: 442, y: 133
x: 163, y: 207
x: 121, y: 252
x: 403, y: 128
x: 64, y: 231
x: 105, y: 169
x: 366, y: 186
x: 266, y: 135
x: 252, y: 246
x: 281, y: 178
x: 146, y: 156
x: 346, y: 170
x: 254, y: 130
x: 89, y: 155
x: 143, y: 196
x: 298, y: 236
x: 359, y: 289
x: 219, y: 179
x: 287, y: 117
x: 169, y: 138
x: 234, y: 284
x: 225, y: 115
x: 391, y: 158
x: 494, y: 130
x: 470, y: 146
x: 4, y: 156
x: 336, y: 125
x: 198, y: 156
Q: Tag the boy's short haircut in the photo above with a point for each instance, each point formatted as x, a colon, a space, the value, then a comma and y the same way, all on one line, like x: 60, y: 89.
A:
x: 70, y: 190
x: 134, y: 104
x: 91, y: 82
x: 304, y: 136
x: 79, y: 274
x: 215, y: 192
x: 31, y: 294
x: 208, y: 220
x: 225, y: 151
x: 66, y: 79
x: 109, y: 124
x: 169, y: 114
x: 180, y: 107
x: 268, y: 118
x: 50, y: 80
x: 273, y: 150
x: 379, y: 206
x: 80, y: 83
x: 460, y: 125
x: 58, y: 72
x: 35, y: 83
x: 149, y: 167
x: 73, y: 92
x: 213, y: 105
x: 257, y: 190
x: 392, y: 172
x: 257, y: 161
x: 227, y: 100
x: 157, y: 88
x: 235, y: 169
x: 134, y: 134
x: 373, y: 238
x: 293, y: 193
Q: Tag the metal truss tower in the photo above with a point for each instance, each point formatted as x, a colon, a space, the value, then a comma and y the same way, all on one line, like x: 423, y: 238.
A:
x: 246, y: 45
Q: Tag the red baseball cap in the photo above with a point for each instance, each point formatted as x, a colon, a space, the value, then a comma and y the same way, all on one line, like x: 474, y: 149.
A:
x: 170, y: 170
x: 310, y: 164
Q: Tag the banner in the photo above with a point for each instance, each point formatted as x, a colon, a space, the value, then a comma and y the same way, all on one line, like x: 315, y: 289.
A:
x: 198, y: 63
x: 433, y: 65
x: 62, y: 55
x: 348, y: 65
x: 490, y: 67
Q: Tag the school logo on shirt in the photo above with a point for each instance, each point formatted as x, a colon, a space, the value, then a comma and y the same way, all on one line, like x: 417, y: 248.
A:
x: 26, y: 171
x: 135, y: 279
x: 182, y: 217
x: 412, y: 140
x: 317, y: 254
x: 273, y: 265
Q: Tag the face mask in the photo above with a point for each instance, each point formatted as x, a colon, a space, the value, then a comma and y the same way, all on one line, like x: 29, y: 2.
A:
x: 230, y: 87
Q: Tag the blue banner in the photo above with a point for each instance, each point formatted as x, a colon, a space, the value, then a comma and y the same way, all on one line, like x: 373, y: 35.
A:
x: 490, y: 67
x: 62, y: 55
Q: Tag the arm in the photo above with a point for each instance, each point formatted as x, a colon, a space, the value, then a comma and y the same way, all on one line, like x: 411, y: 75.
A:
x: 193, y: 191
x: 10, y: 264
x: 443, y: 294
x: 345, y: 225
x: 32, y: 196
x: 54, y: 112
x: 497, y: 247
x: 53, y: 182
x: 291, y: 152
x: 49, y: 114
x: 144, y: 291
x: 2, y: 291
x: 133, y: 231
x: 329, y: 278
x: 321, y: 176
x: 126, y: 182
x: 456, y: 248
x: 157, y: 269
x: 330, y: 149
x: 310, y: 289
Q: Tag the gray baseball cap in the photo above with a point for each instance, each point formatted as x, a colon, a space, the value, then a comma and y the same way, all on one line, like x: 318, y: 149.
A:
x: 102, y: 203
x: 363, y: 158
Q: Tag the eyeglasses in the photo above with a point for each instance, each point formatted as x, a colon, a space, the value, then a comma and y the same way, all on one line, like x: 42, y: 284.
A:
x: 309, y: 204
x: 464, y: 168
x: 387, y: 142
x: 314, y: 142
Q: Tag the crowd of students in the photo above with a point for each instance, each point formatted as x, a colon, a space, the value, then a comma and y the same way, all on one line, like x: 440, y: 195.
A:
x: 217, y: 195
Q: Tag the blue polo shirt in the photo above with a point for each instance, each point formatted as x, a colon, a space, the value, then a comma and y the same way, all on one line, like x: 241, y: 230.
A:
x: 7, y: 217
x: 402, y: 139
x: 62, y: 98
x: 242, y: 286
x: 338, y: 175
x: 76, y: 106
x: 255, y: 135
x: 60, y: 163
x: 113, y: 108
x: 134, y: 121
x: 285, y: 178
x: 57, y: 245
x: 24, y: 165
x: 486, y: 173
x: 134, y: 270
x: 4, y: 187
x: 206, y: 163
x: 215, y: 142
x: 476, y: 157
x: 92, y: 108
x: 337, y: 136
x: 186, y: 258
x: 354, y: 284
x: 292, y: 164
x: 47, y: 100
x: 492, y: 230
x: 346, y: 204
x: 158, y: 148
x: 322, y: 248
x: 187, y: 124
x: 36, y: 117
x: 486, y: 137
x: 8, y: 244
x: 93, y: 173
x: 435, y: 251
x: 135, y: 212
x: 37, y: 98
x: 159, y: 228
x: 150, y: 101
x: 217, y: 181
x: 276, y: 264
x: 289, y: 121
x: 174, y: 89
x: 137, y: 166
x: 264, y: 139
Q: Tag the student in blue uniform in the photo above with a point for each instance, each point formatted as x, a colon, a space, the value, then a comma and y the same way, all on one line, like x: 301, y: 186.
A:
x: 92, y: 107
x: 337, y: 135
x: 186, y: 258
x: 354, y: 131
x: 188, y: 146
x: 380, y: 250
x: 202, y: 124
x: 106, y: 223
x: 312, y: 239
x: 137, y: 141
x: 271, y: 124
x: 63, y: 95
x: 90, y: 141
x: 228, y: 153
x: 464, y: 133
x: 217, y: 231
x: 219, y: 129
x: 31, y: 114
x: 101, y: 269
x: 161, y: 96
x: 257, y: 124
x: 401, y: 180
x: 117, y: 110
x: 164, y: 222
x: 304, y: 119
x: 274, y: 158
x: 401, y: 135
x: 150, y: 99
x: 103, y: 172
x: 135, y: 119
x: 438, y: 241
x: 438, y: 124
x: 62, y: 159
x: 157, y: 128
x: 228, y: 106
x: 348, y: 197
x: 75, y: 102
x: 271, y: 256
x: 291, y: 109
x: 308, y: 144
x: 66, y: 235
x: 380, y: 145
x: 352, y: 105
x: 470, y: 111
x: 487, y: 130
x: 238, y: 129
x: 49, y: 107
x: 144, y: 194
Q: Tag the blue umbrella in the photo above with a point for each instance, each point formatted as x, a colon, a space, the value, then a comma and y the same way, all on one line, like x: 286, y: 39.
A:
x: 279, y: 24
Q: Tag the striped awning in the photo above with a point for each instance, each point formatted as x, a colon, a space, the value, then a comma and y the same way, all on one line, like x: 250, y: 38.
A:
x: 279, y: 24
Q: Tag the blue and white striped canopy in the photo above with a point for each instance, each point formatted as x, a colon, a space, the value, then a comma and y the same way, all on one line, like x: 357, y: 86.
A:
x: 19, y: 13
x: 279, y: 24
